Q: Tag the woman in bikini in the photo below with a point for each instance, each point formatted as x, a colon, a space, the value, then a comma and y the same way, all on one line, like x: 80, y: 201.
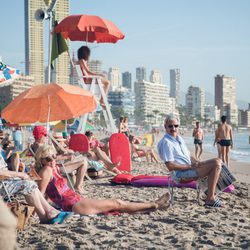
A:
x: 56, y: 188
x: 83, y: 55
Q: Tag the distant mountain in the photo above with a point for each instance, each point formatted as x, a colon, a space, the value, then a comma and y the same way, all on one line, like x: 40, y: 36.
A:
x: 209, y: 99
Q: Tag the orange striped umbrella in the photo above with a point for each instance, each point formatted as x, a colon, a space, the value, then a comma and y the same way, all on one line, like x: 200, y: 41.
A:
x: 49, y: 102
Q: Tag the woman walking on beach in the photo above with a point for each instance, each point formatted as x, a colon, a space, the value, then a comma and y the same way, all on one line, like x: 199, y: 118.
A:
x: 55, y: 186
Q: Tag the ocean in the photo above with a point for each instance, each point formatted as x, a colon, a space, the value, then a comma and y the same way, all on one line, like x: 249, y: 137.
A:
x: 240, y: 151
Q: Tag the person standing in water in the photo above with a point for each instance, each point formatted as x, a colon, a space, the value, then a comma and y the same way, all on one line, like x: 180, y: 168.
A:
x: 198, y: 140
x: 225, y: 135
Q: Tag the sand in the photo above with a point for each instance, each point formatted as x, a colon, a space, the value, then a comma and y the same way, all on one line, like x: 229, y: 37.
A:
x: 185, y: 225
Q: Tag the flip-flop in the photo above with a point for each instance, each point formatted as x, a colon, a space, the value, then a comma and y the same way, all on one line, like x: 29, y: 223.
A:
x: 216, y: 203
x: 60, y: 218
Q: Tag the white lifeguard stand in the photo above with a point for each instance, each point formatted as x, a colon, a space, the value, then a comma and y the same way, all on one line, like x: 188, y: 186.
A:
x: 97, y: 89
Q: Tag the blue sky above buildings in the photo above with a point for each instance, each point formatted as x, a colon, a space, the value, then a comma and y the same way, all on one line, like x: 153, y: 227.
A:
x: 202, y: 38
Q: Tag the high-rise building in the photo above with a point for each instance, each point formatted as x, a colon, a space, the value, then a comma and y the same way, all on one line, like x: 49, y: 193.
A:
x: 175, y: 85
x: 156, y: 76
x: 141, y: 74
x: 225, y: 97
x: 34, y: 53
x: 62, y: 65
x: 150, y: 97
x: 195, y: 101
x: 122, y: 98
x: 20, y: 84
x: 95, y: 66
x: 114, y: 77
x: 127, y: 80
x: 34, y: 49
x: 244, y: 118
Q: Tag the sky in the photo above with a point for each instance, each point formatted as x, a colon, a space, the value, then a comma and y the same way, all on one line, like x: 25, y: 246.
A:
x: 202, y: 38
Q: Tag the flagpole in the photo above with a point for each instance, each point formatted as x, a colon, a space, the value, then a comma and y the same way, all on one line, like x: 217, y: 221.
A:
x: 50, y: 46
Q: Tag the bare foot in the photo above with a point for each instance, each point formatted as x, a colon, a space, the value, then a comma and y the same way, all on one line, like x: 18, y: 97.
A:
x: 115, y: 165
x: 163, y: 201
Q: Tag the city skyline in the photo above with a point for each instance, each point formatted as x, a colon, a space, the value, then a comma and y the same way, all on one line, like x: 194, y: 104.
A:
x: 198, y: 38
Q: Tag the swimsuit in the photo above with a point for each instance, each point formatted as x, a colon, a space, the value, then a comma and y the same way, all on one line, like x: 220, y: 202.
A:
x: 60, y: 193
x: 197, y: 141
x: 225, y: 143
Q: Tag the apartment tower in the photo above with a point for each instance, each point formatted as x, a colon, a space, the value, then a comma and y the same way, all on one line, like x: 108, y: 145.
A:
x: 175, y: 85
x: 34, y: 42
x: 225, y: 97
x: 127, y: 80
x: 114, y: 77
x: 141, y: 74
x: 195, y: 101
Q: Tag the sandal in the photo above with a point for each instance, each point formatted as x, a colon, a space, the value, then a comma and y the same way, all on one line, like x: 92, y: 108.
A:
x: 216, y: 203
x: 60, y: 218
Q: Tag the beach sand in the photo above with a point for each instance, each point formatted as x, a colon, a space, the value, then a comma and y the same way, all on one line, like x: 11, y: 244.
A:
x: 185, y: 225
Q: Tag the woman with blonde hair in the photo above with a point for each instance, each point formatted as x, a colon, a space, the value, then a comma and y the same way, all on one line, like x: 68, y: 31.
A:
x: 56, y: 188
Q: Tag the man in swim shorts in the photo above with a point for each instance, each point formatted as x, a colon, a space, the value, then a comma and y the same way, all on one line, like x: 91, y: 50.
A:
x: 198, y: 140
x: 225, y: 135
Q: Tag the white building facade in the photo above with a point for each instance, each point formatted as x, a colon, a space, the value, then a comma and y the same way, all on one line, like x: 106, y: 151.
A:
x: 195, y: 101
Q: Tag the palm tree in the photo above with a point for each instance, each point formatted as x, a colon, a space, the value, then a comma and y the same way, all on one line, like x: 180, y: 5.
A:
x: 156, y: 112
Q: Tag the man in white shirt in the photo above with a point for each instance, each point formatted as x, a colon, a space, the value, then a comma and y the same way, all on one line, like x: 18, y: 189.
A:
x: 174, y: 153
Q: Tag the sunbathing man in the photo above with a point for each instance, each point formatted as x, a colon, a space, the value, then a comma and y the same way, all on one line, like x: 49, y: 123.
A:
x: 40, y: 135
x: 174, y: 153
x: 198, y: 140
x: 16, y: 183
x: 56, y: 188
x: 225, y: 139
x: 97, y: 154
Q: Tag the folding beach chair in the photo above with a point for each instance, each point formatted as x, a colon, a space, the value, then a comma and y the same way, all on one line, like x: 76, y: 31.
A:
x: 97, y: 89
x: 171, y: 184
x: 62, y: 149
x: 80, y: 143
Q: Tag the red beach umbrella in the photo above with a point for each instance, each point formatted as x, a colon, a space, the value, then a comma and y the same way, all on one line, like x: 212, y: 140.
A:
x: 89, y: 28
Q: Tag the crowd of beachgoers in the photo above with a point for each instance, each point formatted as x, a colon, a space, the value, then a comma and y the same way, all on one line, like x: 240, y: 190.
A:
x: 68, y: 178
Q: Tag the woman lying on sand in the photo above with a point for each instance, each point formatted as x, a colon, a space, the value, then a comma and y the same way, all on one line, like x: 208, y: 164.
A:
x: 56, y: 188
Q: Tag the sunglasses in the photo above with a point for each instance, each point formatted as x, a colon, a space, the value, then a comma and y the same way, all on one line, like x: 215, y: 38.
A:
x: 172, y: 126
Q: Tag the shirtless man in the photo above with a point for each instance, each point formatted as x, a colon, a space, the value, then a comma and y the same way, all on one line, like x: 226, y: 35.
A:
x: 225, y: 139
x: 198, y: 140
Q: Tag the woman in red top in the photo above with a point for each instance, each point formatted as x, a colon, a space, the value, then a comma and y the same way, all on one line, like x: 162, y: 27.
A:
x: 58, y: 191
x: 83, y: 55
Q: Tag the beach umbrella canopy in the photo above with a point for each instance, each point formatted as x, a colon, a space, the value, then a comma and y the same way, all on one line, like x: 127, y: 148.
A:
x: 49, y: 102
x: 89, y: 28
x: 7, y: 74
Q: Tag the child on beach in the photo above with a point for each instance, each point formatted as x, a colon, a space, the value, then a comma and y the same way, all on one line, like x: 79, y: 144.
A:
x: 57, y: 190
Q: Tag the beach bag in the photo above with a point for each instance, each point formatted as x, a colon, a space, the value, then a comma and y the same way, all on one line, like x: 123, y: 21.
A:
x: 124, y: 179
x: 22, y: 211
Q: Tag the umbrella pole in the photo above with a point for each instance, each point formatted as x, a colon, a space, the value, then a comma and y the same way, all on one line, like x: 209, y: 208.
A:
x: 47, y: 125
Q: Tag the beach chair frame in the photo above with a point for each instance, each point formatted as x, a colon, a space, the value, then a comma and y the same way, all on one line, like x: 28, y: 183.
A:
x: 172, y: 179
